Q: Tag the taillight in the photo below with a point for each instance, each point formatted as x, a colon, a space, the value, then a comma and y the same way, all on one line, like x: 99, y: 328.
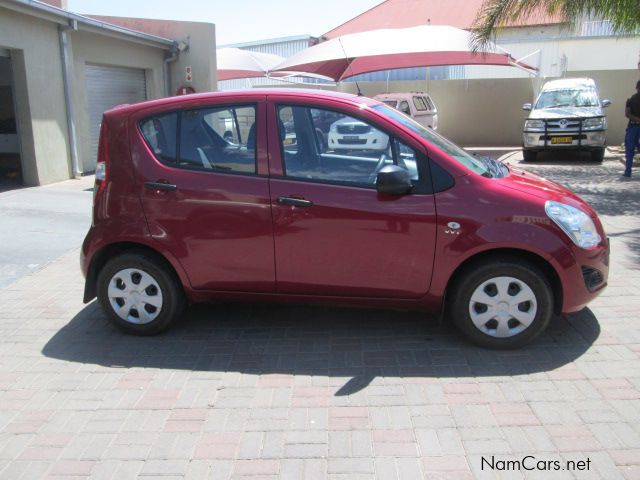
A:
x: 103, y: 157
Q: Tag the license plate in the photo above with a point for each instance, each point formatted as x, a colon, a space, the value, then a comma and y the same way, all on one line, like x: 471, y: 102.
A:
x: 351, y: 138
x: 561, y: 139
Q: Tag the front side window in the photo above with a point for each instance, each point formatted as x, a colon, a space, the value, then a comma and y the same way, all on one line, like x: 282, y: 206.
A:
x: 474, y: 164
x: 218, y: 139
x: 346, y: 150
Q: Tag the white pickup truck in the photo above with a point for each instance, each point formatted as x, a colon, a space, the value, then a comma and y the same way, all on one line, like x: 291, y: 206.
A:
x: 566, y: 115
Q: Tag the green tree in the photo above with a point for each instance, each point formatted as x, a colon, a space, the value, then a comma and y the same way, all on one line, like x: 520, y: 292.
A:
x: 623, y: 14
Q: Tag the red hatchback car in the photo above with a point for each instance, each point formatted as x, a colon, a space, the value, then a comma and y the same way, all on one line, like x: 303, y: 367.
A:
x: 207, y: 197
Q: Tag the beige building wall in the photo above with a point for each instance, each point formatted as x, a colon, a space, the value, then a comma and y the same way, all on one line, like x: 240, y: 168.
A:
x: 39, y: 96
x: 87, y: 47
x: 488, y: 112
x: 200, y: 56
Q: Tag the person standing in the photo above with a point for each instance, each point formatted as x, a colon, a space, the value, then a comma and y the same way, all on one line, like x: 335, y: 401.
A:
x: 632, y: 137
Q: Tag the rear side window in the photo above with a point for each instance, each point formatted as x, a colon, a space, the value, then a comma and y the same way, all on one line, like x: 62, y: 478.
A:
x: 160, y: 134
x: 218, y: 139
x: 212, y: 139
x: 420, y: 104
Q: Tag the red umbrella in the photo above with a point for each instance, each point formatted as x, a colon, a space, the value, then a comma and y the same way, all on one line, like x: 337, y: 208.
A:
x: 388, y: 49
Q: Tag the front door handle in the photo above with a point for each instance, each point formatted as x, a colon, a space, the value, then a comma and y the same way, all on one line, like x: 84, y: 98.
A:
x: 168, y: 187
x: 296, y: 202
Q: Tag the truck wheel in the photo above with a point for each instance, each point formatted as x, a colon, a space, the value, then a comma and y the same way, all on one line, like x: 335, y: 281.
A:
x: 597, y: 155
x: 529, y: 155
x: 139, y: 293
x: 501, y: 304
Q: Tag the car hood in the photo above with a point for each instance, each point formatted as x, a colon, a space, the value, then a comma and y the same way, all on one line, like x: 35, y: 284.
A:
x: 532, y: 184
x: 566, y: 112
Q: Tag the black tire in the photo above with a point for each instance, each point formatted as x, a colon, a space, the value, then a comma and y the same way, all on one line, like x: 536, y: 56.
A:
x: 166, y: 283
x: 529, y: 155
x: 597, y: 155
x: 460, y: 304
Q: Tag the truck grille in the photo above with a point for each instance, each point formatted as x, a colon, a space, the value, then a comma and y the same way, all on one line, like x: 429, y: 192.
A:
x: 351, y: 142
x: 564, y: 124
x: 353, y: 129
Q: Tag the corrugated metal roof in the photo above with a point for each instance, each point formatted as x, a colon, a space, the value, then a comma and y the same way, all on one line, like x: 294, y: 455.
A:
x: 411, y: 13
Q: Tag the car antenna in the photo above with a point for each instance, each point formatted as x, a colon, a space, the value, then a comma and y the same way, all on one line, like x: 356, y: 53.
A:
x: 349, y: 66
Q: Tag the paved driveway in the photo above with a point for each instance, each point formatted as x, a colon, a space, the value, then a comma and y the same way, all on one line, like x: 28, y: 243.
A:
x: 254, y: 391
x: 37, y: 225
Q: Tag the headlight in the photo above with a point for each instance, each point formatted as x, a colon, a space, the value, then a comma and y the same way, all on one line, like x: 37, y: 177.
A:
x: 594, y: 123
x: 333, y: 128
x: 534, y: 125
x: 574, y: 222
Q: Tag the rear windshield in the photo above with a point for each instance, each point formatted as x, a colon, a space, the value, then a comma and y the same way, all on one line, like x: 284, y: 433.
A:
x: 474, y: 164
x: 568, y: 97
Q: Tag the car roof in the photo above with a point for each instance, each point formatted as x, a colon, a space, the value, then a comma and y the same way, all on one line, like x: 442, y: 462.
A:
x: 247, y: 93
x: 564, y: 83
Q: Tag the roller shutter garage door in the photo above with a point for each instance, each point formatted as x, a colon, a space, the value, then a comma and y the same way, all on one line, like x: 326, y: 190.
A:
x: 106, y: 88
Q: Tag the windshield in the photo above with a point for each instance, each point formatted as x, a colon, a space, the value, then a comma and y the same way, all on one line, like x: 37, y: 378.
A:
x: 568, y: 97
x: 480, y: 166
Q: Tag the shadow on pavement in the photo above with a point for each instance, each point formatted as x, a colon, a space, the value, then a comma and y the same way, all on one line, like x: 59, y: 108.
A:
x: 304, y: 340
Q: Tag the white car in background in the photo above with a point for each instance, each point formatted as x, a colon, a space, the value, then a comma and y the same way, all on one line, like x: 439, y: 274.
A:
x: 351, y: 134
x: 417, y: 105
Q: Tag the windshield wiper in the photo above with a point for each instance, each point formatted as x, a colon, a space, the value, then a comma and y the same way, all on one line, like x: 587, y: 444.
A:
x: 559, y: 105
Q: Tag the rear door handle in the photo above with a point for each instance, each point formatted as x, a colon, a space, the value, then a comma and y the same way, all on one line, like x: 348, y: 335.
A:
x: 296, y: 202
x: 169, y: 187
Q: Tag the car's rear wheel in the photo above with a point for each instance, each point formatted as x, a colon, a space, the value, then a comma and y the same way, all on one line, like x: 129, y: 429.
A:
x: 597, y: 155
x: 529, y: 155
x: 139, y: 293
x: 502, y: 304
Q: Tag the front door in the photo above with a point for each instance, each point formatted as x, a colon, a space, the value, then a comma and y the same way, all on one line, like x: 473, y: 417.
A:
x: 203, y: 184
x: 335, y: 235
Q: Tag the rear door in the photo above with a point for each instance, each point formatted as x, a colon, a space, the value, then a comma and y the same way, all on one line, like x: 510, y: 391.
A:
x: 202, y: 177
x: 335, y: 234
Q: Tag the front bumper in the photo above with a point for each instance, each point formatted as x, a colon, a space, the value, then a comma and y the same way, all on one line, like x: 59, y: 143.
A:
x: 583, y: 140
x: 587, y: 278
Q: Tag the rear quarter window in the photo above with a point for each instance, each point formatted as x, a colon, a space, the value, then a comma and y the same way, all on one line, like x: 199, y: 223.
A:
x: 160, y: 134
x: 420, y: 104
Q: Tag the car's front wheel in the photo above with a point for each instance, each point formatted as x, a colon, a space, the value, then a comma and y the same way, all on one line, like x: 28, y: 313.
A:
x: 139, y: 293
x: 502, y: 304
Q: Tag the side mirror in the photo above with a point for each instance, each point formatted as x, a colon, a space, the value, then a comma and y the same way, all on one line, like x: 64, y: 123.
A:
x: 605, y: 103
x: 393, y: 180
x: 526, y: 106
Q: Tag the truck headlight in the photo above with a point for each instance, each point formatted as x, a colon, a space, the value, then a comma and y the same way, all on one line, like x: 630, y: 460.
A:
x: 574, y: 222
x: 598, y: 123
x: 534, y: 125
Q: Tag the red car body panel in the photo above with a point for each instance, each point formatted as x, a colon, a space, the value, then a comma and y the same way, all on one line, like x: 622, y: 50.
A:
x: 227, y: 236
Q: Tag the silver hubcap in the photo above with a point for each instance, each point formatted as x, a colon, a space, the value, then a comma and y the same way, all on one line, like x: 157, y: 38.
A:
x: 502, y: 307
x: 135, y: 296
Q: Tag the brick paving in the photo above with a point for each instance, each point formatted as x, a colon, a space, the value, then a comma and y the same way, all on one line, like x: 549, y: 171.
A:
x: 249, y: 391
